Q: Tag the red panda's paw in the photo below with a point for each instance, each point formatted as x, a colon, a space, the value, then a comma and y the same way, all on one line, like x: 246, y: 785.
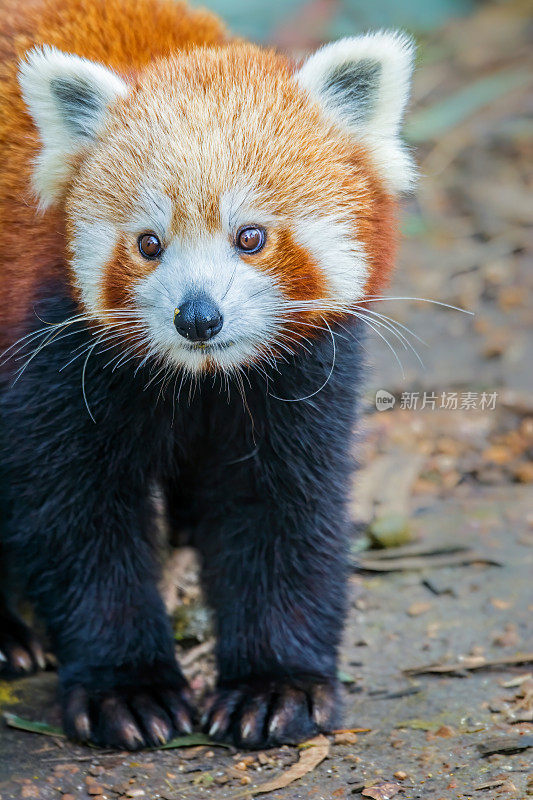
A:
x: 127, y: 719
x: 265, y: 714
x: 21, y: 652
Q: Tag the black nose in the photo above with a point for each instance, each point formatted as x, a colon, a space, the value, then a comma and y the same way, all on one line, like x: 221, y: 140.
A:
x: 198, y: 319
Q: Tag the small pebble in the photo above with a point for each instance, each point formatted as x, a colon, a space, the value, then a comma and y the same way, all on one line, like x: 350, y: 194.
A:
x: 445, y: 731
x: 96, y: 769
x: 30, y: 792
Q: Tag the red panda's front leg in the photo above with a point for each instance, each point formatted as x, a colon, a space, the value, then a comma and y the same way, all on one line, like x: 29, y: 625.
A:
x: 276, y: 579
x: 80, y: 533
x: 274, y: 538
x: 279, y: 616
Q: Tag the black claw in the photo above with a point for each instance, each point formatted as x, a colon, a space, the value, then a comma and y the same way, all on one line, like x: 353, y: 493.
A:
x: 125, y: 719
x: 20, y: 651
x: 265, y: 716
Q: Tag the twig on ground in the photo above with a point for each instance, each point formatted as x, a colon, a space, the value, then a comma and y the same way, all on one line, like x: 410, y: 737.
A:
x: 197, y: 652
x: 470, y: 663
x: 423, y: 562
x: 313, y: 753
x: 505, y: 744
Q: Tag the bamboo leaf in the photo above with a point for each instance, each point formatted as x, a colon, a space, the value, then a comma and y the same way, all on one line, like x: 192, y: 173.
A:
x: 31, y: 726
x: 191, y: 740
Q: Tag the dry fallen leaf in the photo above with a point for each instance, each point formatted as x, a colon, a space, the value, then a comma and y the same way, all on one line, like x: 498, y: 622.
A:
x: 382, y: 792
x: 489, y: 785
x: 313, y: 753
x: 501, y: 604
x: 477, y: 662
x: 509, y: 637
x: 524, y: 472
x: 351, y: 730
x: 518, y: 681
x: 508, y: 786
x: 347, y: 737
x: 415, y: 609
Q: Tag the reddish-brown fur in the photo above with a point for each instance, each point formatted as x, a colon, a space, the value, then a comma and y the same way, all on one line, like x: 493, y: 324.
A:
x: 34, y: 245
x: 378, y: 230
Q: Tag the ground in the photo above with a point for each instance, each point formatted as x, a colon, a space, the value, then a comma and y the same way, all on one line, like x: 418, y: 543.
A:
x: 448, y: 485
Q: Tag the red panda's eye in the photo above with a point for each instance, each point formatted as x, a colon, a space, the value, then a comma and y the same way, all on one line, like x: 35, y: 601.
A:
x: 149, y: 245
x: 250, y: 239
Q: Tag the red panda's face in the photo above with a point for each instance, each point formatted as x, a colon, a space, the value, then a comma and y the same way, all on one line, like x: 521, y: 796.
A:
x: 230, y: 205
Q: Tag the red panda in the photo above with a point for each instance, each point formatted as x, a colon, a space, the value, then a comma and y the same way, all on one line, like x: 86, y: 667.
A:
x: 180, y: 207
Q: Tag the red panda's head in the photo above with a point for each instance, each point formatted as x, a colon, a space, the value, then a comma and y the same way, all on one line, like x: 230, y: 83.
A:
x: 224, y: 199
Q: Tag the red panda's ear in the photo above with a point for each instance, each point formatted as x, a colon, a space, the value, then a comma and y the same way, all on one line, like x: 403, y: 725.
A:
x: 362, y: 84
x: 68, y: 98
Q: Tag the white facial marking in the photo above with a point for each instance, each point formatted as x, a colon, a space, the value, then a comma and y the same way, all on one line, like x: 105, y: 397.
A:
x: 194, y: 262
x: 247, y: 298
x: 328, y: 238
x: 153, y: 212
x: 338, y: 254
x: 93, y: 244
x: 243, y: 205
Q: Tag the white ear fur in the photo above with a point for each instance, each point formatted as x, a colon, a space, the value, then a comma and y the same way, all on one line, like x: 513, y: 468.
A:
x: 362, y: 84
x: 68, y: 97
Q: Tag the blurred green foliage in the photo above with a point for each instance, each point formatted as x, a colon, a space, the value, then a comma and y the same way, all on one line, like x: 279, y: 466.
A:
x: 261, y: 19
x: 413, y: 15
x: 435, y: 121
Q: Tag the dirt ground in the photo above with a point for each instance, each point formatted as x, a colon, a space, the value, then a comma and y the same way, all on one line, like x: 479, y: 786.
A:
x: 442, y: 503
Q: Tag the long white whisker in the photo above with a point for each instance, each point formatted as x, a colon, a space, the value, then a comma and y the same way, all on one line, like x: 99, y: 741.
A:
x: 104, y: 337
x: 38, y: 349
x: 154, y: 377
x: 83, y: 373
x: 57, y: 338
x: 392, y: 321
x: 376, y: 298
x: 51, y: 331
x: 129, y: 354
x: 309, y: 396
x: 398, y: 334
x: 285, y: 337
x: 381, y: 336
x: 141, y: 364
